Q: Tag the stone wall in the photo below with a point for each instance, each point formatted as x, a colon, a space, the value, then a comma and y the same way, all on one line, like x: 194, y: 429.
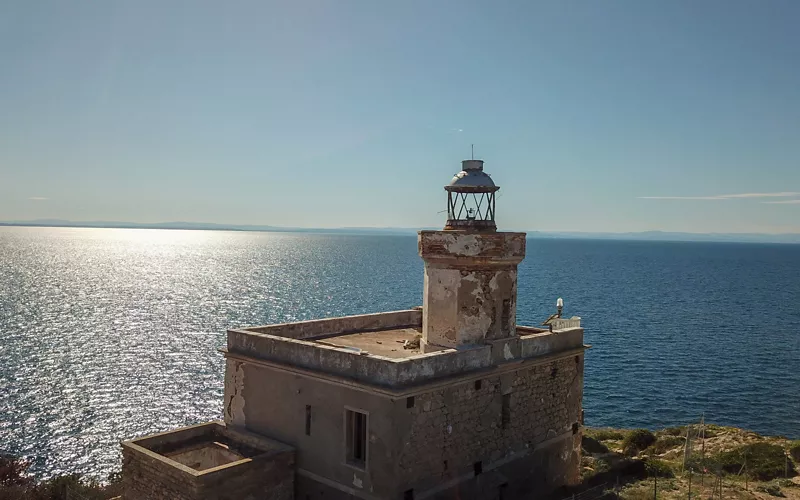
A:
x: 146, y: 478
x: 254, y: 468
x: 537, y: 427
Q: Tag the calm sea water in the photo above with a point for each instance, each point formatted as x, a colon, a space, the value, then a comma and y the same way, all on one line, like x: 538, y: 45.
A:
x: 111, y: 333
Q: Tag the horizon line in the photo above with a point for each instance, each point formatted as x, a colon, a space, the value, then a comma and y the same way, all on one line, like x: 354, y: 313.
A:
x: 212, y: 226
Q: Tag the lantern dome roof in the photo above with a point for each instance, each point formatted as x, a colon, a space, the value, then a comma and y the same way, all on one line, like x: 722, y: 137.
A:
x: 472, y: 177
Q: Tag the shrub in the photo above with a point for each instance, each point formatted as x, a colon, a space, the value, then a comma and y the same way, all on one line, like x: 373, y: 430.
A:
x: 794, y: 450
x: 13, y: 471
x: 637, y: 440
x: 591, y: 445
x: 665, y: 443
x: 601, y: 466
x: 674, y: 431
x: 604, y: 434
x: 658, y: 468
x: 770, y: 489
x: 764, y: 461
x: 637, y: 492
x: 15, y: 484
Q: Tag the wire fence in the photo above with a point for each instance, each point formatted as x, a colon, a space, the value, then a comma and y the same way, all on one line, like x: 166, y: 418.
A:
x: 728, y: 471
x: 590, y: 494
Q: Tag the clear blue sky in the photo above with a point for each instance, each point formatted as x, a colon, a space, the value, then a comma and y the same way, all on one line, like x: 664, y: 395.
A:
x: 356, y: 113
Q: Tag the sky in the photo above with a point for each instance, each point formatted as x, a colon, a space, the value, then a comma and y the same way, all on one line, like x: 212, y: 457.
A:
x: 615, y: 115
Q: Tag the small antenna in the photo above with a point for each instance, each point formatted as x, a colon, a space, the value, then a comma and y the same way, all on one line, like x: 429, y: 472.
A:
x: 473, y: 151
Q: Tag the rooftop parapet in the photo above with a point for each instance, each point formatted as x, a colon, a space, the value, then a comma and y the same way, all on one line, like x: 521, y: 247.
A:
x: 207, y: 461
x: 377, y: 355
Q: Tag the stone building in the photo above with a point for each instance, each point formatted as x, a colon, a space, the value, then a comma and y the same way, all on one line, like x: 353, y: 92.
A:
x: 449, y: 400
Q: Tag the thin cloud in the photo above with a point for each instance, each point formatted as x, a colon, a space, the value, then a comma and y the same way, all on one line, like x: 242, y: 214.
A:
x: 785, y: 194
x: 783, y: 202
x: 38, y: 198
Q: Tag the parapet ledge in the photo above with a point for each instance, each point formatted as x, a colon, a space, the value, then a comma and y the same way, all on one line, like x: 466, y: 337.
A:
x: 220, y: 448
x: 470, y: 247
x: 341, y: 325
x: 309, y: 346
x: 537, y: 342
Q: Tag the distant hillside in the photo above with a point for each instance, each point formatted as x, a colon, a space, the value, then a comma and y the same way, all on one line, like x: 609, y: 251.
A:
x: 209, y: 226
x: 672, y: 236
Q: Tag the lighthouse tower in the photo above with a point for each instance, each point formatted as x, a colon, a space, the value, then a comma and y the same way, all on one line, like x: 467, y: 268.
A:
x: 470, y: 289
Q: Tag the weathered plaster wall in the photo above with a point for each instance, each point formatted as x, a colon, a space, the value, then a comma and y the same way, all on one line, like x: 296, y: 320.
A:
x: 470, y: 286
x: 275, y: 406
x: 468, y: 306
x: 449, y: 430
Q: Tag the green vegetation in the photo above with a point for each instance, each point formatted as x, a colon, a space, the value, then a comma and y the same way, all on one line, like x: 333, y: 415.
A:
x: 666, y: 443
x: 764, y: 461
x: 16, y: 484
x: 715, y: 466
x: 794, y: 450
x: 637, y: 440
x: 604, y: 434
x: 770, y: 489
x: 591, y: 445
x: 658, y: 468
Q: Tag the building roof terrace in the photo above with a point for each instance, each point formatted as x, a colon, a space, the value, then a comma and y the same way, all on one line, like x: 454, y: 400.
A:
x: 370, y: 349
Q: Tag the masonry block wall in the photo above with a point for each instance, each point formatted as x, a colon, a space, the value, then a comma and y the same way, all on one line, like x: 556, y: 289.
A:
x: 518, y: 432
x: 146, y: 478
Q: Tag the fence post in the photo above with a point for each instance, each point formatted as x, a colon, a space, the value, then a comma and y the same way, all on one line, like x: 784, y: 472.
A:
x: 690, y: 483
x: 655, y: 487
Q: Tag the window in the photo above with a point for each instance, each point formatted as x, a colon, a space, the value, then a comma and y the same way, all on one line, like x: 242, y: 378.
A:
x: 477, y: 385
x: 410, y: 402
x: 477, y: 468
x: 356, y: 437
x: 408, y: 494
x: 308, y: 420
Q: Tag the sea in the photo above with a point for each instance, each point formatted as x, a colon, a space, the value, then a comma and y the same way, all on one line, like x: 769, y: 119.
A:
x: 106, y: 334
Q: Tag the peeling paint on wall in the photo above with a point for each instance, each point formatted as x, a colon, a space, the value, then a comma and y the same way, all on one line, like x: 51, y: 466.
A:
x: 234, y: 387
